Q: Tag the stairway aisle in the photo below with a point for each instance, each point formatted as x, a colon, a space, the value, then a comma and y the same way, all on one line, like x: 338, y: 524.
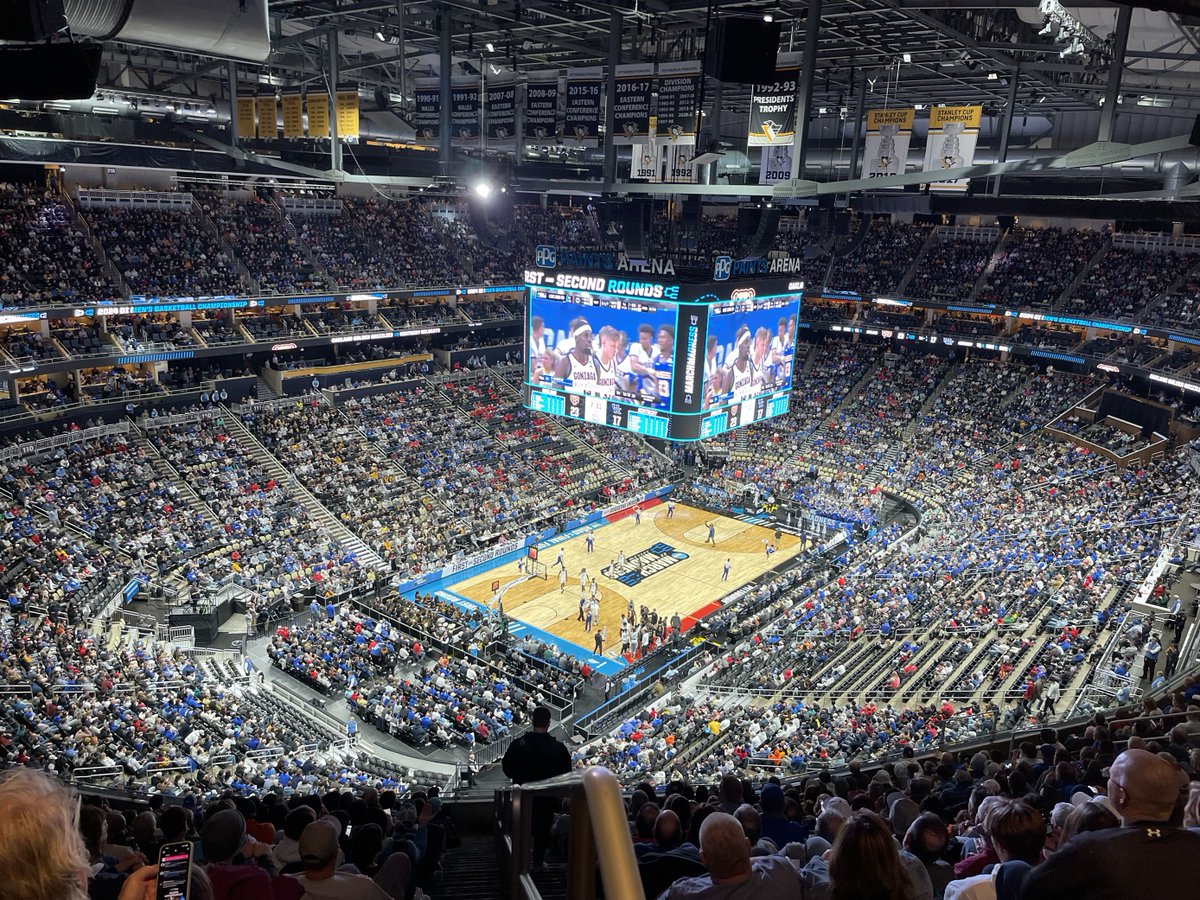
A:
x: 471, y: 870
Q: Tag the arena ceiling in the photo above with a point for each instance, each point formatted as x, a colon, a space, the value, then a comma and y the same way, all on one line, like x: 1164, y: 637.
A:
x: 909, y: 51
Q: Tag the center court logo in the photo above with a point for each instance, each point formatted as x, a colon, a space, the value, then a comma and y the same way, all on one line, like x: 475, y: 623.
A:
x: 644, y: 563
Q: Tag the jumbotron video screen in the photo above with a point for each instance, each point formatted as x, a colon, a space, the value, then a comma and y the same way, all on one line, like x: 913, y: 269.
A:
x: 679, y: 362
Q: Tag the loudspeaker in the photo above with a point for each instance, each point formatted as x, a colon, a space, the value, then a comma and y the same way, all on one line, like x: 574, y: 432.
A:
x: 743, y: 50
x: 841, y: 222
x: 382, y: 101
x: 31, y: 21
x: 820, y: 222
x: 49, y: 71
x: 762, y: 239
x: 634, y: 228
x: 747, y: 220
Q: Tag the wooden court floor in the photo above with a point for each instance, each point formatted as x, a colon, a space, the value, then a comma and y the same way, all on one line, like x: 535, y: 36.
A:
x: 682, y: 586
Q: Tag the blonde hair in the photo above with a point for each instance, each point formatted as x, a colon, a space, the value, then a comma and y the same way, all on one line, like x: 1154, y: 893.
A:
x: 41, y: 850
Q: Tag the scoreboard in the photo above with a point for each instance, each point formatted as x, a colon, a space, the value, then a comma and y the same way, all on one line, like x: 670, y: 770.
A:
x: 672, y: 361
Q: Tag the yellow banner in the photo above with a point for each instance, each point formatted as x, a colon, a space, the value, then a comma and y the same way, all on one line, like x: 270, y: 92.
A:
x: 293, y: 115
x: 347, y: 113
x: 901, y: 117
x: 318, y: 115
x: 268, y: 121
x: 967, y: 116
x: 245, y: 117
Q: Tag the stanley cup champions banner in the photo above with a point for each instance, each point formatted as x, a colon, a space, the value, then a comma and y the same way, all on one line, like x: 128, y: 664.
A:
x: 541, y: 108
x: 631, y: 106
x: 501, y: 112
x: 464, y: 110
x: 885, y: 148
x: 773, y: 106
x: 678, y: 94
x: 245, y: 118
x: 953, y: 134
x: 775, y: 166
x: 581, y: 122
x: 427, y: 109
x: 346, y: 110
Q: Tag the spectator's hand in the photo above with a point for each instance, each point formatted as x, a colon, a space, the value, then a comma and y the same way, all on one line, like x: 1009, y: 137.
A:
x: 140, y: 884
x: 256, y: 850
x: 132, y: 862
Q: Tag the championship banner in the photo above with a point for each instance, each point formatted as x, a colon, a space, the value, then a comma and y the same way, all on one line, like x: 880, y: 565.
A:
x: 502, y: 112
x: 678, y: 94
x: 268, y: 119
x: 246, y: 122
x: 773, y: 106
x: 885, y: 147
x: 293, y: 113
x: 631, y: 106
x: 775, y: 165
x: 464, y: 110
x: 678, y: 156
x: 427, y: 109
x: 318, y: 114
x: 541, y: 109
x: 347, y: 112
x: 953, y: 134
x: 582, y: 118
x: 644, y: 161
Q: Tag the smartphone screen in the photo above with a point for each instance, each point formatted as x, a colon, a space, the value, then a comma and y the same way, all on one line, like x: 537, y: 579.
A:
x: 174, y: 872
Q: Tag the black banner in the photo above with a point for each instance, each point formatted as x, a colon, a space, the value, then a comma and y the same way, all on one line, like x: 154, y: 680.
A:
x: 541, y: 109
x: 677, y: 98
x: 427, y: 113
x: 582, y: 121
x: 501, y: 112
x: 632, y: 106
x: 464, y: 112
x: 773, y: 109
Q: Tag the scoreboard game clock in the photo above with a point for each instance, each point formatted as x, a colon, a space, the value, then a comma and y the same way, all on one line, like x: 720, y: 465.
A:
x: 670, y: 361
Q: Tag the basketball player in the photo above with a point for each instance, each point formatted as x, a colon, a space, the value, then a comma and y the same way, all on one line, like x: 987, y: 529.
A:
x: 587, y: 617
x: 559, y: 562
x: 781, y: 351
x: 537, y: 347
x: 562, y: 581
x: 670, y: 509
x: 636, y: 364
x: 577, y: 365
x: 620, y: 561
x: 762, y: 359
x: 606, y: 362
x: 583, y: 578
x: 740, y: 375
x: 637, y: 515
x: 712, y: 534
x: 594, y: 613
x: 725, y: 574
x: 663, y: 362
x: 595, y: 589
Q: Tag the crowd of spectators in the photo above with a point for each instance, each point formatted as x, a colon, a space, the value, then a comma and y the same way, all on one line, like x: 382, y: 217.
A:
x: 46, y: 256
x: 263, y: 242
x: 1124, y: 281
x: 1037, y: 265
x: 163, y: 254
x: 950, y: 268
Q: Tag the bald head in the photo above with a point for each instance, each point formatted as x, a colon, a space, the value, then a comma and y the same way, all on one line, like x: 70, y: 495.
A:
x: 1143, y: 787
x: 724, y: 848
x: 751, y: 821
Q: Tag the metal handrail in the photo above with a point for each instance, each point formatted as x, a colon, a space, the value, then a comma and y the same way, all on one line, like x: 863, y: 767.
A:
x: 598, y: 819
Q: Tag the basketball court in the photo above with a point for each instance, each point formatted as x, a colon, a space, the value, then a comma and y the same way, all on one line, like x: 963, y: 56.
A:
x: 669, y: 566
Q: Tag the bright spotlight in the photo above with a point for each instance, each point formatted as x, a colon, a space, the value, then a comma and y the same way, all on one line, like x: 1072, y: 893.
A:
x: 482, y: 189
x: 768, y: 17
x: 491, y: 48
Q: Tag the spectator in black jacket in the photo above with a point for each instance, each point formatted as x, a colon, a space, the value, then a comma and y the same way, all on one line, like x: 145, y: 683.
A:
x: 534, y: 756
